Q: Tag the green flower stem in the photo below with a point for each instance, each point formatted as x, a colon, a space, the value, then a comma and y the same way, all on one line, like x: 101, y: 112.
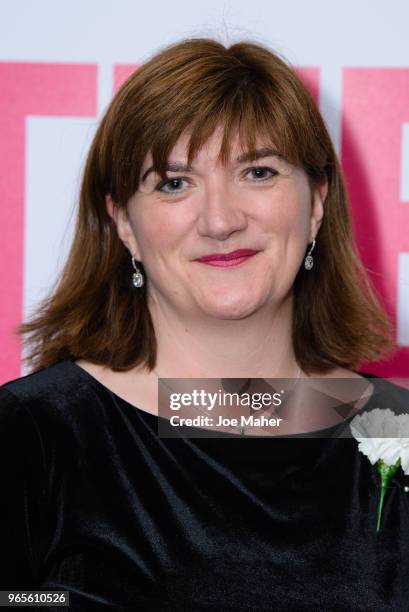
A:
x: 386, y: 472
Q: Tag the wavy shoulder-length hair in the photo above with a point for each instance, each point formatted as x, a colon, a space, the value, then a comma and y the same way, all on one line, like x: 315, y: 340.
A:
x: 194, y: 86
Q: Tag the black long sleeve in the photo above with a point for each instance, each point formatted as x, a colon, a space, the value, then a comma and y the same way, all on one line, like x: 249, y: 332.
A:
x: 22, y: 481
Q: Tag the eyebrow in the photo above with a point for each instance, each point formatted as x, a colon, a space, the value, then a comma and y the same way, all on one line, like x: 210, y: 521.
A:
x: 244, y: 157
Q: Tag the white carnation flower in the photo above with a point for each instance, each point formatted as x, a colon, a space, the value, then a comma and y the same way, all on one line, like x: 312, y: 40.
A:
x: 384, y: 435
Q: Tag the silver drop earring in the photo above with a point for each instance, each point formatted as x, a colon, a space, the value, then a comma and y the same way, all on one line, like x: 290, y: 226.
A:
x: 309, y: 260
x: 137, y: 276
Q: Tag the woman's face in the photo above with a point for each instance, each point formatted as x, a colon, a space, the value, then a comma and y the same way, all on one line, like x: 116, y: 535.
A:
x: 263, y: 205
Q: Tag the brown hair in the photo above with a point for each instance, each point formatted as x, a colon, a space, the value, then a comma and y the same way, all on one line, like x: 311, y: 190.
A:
x: 94, y: 313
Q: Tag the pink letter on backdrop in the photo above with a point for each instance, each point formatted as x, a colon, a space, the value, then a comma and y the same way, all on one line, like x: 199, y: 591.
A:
x: 375, y: 105
x: 121, y: 73
x: 28, y: 89
x: 311, y: 79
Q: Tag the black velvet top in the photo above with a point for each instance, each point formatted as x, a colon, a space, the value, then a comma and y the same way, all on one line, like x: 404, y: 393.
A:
x: 95, y: 502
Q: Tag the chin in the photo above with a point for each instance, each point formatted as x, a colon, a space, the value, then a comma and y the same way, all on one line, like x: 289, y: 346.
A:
x: 230, y: 311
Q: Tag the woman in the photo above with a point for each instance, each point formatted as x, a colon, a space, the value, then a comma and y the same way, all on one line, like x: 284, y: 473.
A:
x: 213, y: 241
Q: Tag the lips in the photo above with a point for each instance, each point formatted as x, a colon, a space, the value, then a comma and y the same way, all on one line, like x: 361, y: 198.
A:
x: 239, y: 254
x: 227, y: 260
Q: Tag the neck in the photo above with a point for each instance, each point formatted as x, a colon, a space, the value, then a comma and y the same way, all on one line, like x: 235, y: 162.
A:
x: 259, y: 346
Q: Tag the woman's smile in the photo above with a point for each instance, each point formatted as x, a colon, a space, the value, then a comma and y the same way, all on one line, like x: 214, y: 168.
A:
x: 228, y: 260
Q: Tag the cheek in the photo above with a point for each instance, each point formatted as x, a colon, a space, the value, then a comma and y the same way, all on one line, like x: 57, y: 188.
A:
x: 157, y: 233
x: 288, y: 212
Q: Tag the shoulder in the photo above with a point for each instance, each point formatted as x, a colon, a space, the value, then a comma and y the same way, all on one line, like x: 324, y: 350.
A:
x: 51, y: 395
x: 392, y: 393
x: 52, y: 413
x: 377, y: 392
x: 59, y: 378
x: 392, y: 389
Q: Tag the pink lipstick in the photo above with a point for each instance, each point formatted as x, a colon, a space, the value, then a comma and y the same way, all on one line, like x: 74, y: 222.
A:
x: 224, y: 260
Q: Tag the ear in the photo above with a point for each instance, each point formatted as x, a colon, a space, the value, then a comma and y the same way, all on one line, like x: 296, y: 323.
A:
x: 319, y: 194
x: 119, y: 215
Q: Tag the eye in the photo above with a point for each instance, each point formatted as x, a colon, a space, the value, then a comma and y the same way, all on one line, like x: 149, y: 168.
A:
x: 261, y: 173
x: 173, y: 185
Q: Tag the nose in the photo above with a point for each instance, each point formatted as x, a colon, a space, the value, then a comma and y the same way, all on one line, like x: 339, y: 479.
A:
x: 221, y: 214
